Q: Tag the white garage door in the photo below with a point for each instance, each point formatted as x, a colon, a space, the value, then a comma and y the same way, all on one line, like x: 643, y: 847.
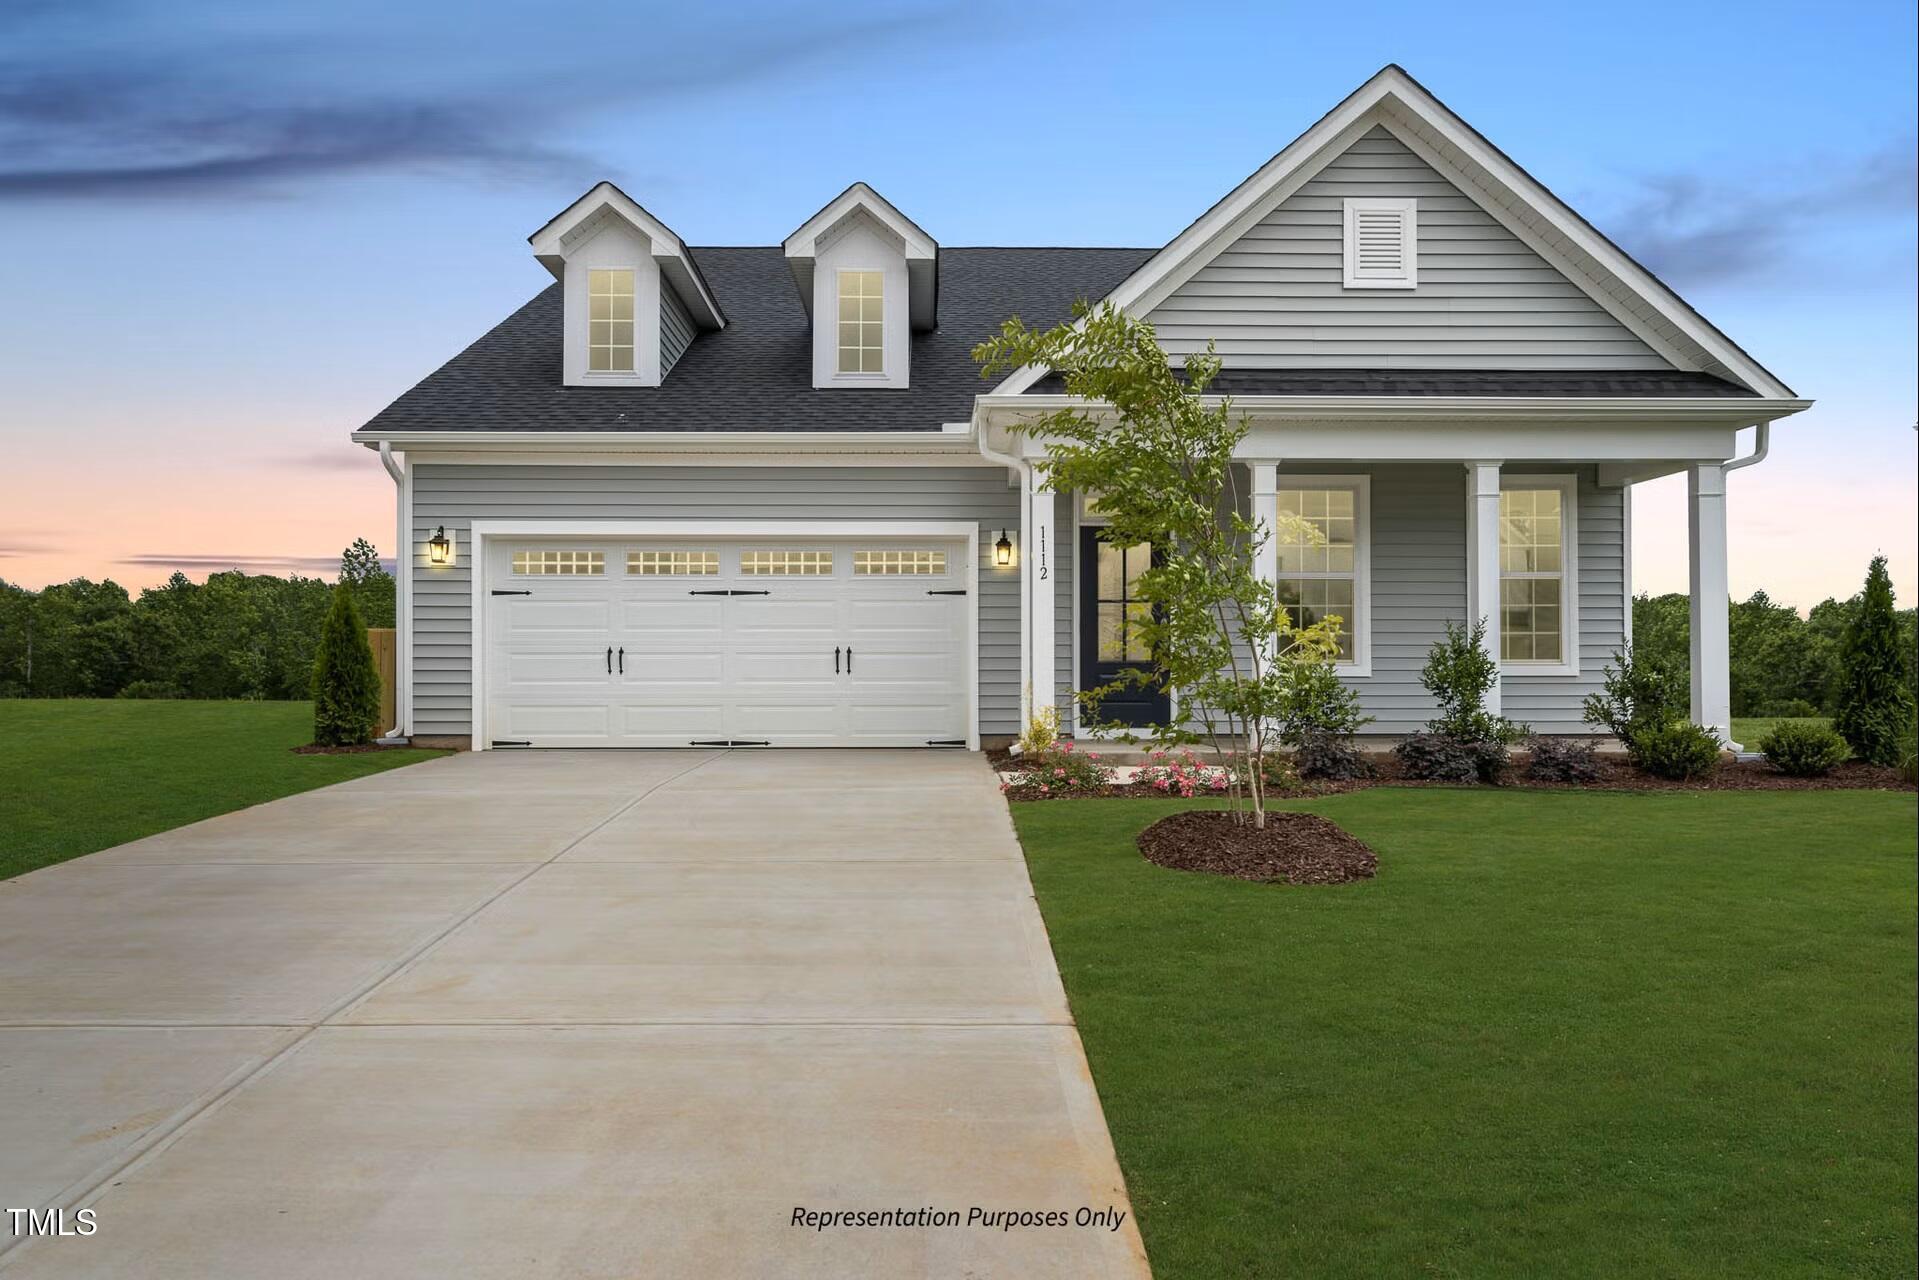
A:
x: 783, y: 642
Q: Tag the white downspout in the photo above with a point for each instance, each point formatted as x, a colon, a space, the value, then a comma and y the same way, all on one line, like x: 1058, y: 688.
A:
x: 1760, y: 443
x: 1023, y: 476
x: 402, y: 594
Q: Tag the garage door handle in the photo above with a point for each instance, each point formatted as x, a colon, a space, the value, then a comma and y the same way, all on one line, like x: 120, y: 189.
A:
x: 622, y: 659
x: 849, y: 659
x: 836, y: 659
x: 609, y: 659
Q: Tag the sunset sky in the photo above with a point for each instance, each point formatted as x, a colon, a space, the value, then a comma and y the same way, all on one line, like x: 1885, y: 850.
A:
x: 235, y: 231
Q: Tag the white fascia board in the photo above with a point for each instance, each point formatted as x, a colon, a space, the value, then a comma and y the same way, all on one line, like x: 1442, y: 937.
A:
x: 1539, y: 409
x: 667, y: 248
x: 804, y: 242
x: 946, y: 440
x: 1392, y: 94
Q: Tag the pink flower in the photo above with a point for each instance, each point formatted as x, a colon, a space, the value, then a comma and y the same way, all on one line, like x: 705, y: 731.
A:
x: 1044, y: 789
x: 1059, y: 772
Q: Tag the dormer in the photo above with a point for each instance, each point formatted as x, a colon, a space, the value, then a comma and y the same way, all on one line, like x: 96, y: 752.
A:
x: 868, y: 276
x: 633, y: 298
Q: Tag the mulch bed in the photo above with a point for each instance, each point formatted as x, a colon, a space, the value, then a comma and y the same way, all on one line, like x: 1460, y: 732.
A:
x: 315, y: 749
x: 1293, y: 848
x: 1614, y: 775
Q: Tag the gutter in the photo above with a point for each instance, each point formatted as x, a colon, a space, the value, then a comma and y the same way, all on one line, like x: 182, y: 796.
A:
x: 1760, y: 444
x: 1022, y: 472
x: 402, y: 597
x: 1742, y: 409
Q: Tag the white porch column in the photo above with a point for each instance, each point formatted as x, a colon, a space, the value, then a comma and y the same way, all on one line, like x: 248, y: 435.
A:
x: 1265, y: 512
x: 1711, y: 632
x: 1040, y: 587
x: 1482, y: 560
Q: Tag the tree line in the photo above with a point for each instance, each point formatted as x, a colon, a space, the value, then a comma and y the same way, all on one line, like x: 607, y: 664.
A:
x: 241, y: 635
x: 236, y: 635
x: 1782, y: 664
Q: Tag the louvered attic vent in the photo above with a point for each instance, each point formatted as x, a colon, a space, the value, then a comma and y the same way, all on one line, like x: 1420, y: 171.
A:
x: 1382, y: 244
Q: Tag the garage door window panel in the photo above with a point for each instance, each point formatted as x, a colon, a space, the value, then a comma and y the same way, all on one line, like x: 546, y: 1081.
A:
x: 788, y: 564
x: 673, y: 564
x: 559, y: 563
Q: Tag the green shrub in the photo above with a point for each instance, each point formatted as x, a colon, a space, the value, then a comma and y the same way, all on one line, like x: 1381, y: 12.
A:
x: 346, y: 684
x: 1909, y: 769
x: 1790, y: 709
x: 1803, y: 750
x: 1561, y: 760
x: 1314, y: 701
x: 1459, y: 673
x: 1277, y: 774
x: 1678, y: 750
x: 1642, y: 693
x: 1875, y: 712
x: 1331, y: 757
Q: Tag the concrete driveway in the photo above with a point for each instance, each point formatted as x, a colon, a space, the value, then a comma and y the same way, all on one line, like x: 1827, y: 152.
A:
x: 579, y: 1014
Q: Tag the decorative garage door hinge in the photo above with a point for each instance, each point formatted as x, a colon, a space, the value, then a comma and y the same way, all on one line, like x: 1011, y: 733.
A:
x: 729, y: 592
x: 504, y: 742
x: 959, y: 592
x: 498, y: 592
x: 729, y: 742
x: 946, y: 742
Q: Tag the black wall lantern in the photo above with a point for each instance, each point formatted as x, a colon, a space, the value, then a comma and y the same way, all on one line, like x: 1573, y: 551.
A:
x: 1003, y: 550
x: 439, y: 548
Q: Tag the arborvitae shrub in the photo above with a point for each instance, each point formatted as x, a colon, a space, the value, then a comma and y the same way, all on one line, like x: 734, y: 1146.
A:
x: 346, y: 684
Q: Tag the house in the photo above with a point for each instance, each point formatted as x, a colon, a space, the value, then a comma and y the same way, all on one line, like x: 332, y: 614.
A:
x: 761, y: 495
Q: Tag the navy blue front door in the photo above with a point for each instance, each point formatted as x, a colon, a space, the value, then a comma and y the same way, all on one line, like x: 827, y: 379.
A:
x: 1110, y: 642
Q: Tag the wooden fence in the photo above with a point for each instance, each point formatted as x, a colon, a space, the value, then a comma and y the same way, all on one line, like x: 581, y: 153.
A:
x: 386, y: 659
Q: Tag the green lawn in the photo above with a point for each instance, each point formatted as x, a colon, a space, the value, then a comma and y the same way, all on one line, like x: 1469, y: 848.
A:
x: 1748, y: 730
x: 1562, y: 1034
x: 76, y: 776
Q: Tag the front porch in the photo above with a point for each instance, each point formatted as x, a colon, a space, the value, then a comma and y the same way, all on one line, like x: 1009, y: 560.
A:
x: 1520, y: 517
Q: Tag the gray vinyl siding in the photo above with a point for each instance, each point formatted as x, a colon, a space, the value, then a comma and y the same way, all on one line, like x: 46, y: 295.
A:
x: 676, y: 328
x: 457, y: 495
x: 1275, y: 298
x: 1419, y: 585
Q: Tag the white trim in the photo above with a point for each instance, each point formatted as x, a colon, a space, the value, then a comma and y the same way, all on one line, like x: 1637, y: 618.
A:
x: 1406, y: 215
x: 668, y: 250
x: 775, y: 442
x: 1568, y: 486
x: 1625, y: 504
x: 481, y: 530
x: 1741, y: 410
x: 1361, y: 666
x: 405, y: 560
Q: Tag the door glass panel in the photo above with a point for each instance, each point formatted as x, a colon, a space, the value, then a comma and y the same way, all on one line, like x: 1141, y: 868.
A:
x: 1136, y: 650
x: 1112, y: 633
x: 1112, y: 575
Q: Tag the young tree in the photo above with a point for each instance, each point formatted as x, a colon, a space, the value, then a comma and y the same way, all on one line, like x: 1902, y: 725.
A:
x: 1875, y: 711
x: 372, y: 585
x: 346, y: 684
x: 1161, y: 459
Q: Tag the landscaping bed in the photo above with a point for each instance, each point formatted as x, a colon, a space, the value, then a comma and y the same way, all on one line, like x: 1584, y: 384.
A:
x: 1614, y: 775
x: 1292, y: 848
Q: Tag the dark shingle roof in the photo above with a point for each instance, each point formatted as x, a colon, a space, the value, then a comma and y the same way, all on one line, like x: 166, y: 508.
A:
x: 756, y: 374
x: 1456, y: 382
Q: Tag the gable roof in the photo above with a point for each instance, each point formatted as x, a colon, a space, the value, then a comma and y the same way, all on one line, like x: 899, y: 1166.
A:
x: 756, y: 374
x: 1394, y: 100
x: 677, y: 263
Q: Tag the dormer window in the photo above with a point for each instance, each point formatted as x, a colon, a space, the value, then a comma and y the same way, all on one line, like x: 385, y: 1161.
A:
x: 610, y: 320
x: 862, y: 322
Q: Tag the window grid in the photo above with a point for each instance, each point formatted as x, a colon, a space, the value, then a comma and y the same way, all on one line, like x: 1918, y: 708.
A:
x: 676, y: 564
x: 609, y: 320
x: 559, y: 563
x: 1317, y: 551
x: 877, y: 563
x: 862, y: 340
x: 789, y: 564
x: 1532, y: 564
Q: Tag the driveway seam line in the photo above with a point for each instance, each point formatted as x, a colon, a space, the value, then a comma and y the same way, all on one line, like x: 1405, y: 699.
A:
x: 164, y: 1135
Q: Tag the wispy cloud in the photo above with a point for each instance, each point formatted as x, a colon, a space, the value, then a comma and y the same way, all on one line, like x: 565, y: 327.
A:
x: 1700, y: 230
x: 190, y: 564
x: 100, y: 121
x: 13, y: 546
